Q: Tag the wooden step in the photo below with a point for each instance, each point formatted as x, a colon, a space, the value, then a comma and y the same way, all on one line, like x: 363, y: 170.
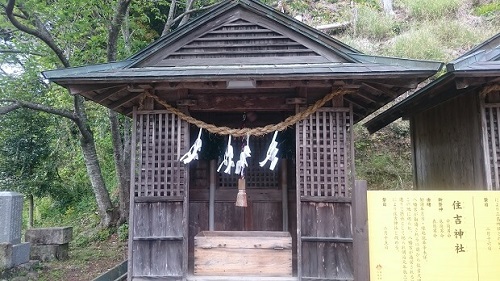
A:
x: 239, y: 278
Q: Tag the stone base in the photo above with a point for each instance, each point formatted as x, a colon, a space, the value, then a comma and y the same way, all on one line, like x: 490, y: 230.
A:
x: 13, y: 255
x: 50, y: 252
x: 49, y: 236
x: 20, y: 253
x: 5, y: 256
x: 24, y: 272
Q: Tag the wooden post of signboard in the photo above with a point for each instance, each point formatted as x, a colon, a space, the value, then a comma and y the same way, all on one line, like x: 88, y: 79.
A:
x: 360, y: 232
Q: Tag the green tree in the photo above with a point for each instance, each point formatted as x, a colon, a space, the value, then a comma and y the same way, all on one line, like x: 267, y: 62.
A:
x: 73, y: 32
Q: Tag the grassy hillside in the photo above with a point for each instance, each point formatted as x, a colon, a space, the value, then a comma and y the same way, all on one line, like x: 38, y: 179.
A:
x: 438, y: 30
x: 421, y: 29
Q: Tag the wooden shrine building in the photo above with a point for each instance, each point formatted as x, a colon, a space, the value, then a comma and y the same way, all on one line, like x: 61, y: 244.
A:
x: 455, y: 123
x: 244, y: 65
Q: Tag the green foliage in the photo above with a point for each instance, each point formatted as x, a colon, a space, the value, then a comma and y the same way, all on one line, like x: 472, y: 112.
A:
x: 25, y: 153
x: 435, y: 40
x: 384, y: 159
x: 373, y: 23
x: 80, y: 215
x: 417, y: 44
x: 123, y: 232
x: 369, y: 3
x: 431, y: 9
x: 488, y: 9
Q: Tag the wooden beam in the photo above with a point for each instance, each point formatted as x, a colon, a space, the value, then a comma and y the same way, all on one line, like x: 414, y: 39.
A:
x: 354, y: 103
x: 360, y: 232
x: 82, y: 88
x: 325, y: 199
x: 465, y: 82
x: 402, y: 82
x: 241, y: 103
x: 222, y: 195
x: 380, y: 89
x: 211, y: 197
x: 333, y: 26
x: 261, y: 84
x: 107, y: 94
x: 124, y: 100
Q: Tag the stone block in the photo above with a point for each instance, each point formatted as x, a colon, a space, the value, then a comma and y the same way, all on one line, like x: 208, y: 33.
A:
x: 11, y: 208
x: 5, y: 256
x: 20, y: 254
x: 49, y: 252
x: 49, y: 236
x: 27, y: 270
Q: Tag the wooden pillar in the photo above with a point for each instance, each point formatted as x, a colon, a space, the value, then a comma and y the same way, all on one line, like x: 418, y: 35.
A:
x: 211, y: 200
x: 133, y: 156
x: 360, y: 232
x: 284, y: 193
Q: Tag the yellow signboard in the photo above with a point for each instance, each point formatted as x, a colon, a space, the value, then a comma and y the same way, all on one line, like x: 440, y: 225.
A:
x: 434, y: 235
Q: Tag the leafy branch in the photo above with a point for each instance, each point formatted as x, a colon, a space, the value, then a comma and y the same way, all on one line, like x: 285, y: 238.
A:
x: 16, y: 104
x: 40, y: 32
x: 170, y: 22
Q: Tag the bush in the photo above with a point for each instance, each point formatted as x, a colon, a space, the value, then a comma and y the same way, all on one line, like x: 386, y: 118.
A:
x: 487, y: 10
x: 417, y: 44
x: 123, y: 232
x: 374, y: 24
x: 431, y: 9
x: 436, y: 40
x: 384, y: 159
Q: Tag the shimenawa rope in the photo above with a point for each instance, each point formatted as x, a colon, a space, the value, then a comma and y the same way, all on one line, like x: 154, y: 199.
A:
x: 258, y: 131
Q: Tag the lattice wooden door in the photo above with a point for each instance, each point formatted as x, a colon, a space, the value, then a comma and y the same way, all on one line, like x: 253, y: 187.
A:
x: 324, y: 183
x: 158, y: 215
x: 492, y: 147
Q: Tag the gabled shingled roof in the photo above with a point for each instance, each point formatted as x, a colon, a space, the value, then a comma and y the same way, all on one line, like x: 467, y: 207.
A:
x: 476, y: 68
x: 245, y: 39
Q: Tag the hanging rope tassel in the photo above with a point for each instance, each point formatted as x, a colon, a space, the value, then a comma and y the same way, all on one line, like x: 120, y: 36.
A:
x: 241, y: 198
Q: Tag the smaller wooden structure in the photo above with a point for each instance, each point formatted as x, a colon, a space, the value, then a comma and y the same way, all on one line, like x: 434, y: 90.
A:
x: 243, y: 253
x: 243, y: 58
x: 455, y: 123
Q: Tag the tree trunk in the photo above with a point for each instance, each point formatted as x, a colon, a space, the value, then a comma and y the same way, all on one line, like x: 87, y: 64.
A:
x: 189, y: 6
x: 104, y: 205
x: 122, y: 163
x: 106, y: 210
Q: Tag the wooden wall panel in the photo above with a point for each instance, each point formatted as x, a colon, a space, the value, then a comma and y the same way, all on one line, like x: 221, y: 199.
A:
x: 326, y: 220
x: 158, y: 219
x: 324, y: 183
x: 447, y: 146
x: 228, y: 217
x: 161, y: 140
x: 324, y: 154
x: 491, y: 138
x: 158, y: 238
x: 157, y: 258
x: 198, y: 221
x: 327, y: 261
x: 267, y: 216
